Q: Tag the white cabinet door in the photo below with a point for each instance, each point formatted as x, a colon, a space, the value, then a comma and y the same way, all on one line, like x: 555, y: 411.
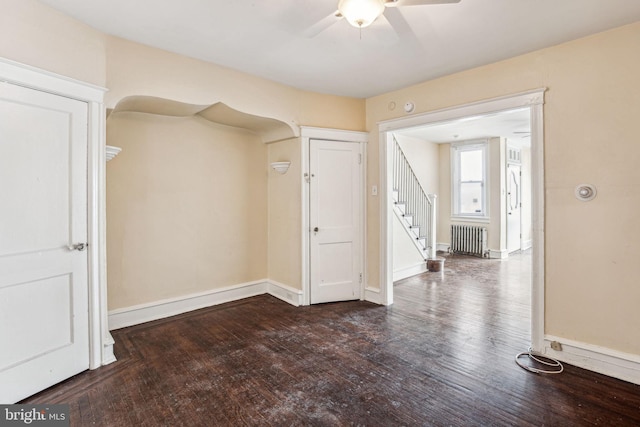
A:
x: 43, y: 212
x: 335, y: 221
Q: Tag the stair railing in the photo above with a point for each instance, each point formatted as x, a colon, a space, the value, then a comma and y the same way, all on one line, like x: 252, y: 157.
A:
x: 418, y: 204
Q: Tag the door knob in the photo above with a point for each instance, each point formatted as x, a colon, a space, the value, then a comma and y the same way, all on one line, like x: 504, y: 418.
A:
x: 78, y: 247
x: 316, y: 229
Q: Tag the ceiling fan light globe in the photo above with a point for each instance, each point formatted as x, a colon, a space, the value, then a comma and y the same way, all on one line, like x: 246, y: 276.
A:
x: 361, y: 13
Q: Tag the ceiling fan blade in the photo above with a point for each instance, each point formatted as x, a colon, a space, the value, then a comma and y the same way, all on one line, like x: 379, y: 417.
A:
x: 398, y: 22
x: 399, y: 3
x: 382, y: 31
x: 402, y: 28
x: 322, y: 25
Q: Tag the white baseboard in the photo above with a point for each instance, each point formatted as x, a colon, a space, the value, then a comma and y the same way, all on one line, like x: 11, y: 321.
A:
x: 613, y: 363
x: 373, y: 295
x: 443, y: 247
x: 527, y: 244
x: 142, y: 313
x: 498, y: 254
x: 412, y: 270
x: 108, y: 355
x: 284, y: 292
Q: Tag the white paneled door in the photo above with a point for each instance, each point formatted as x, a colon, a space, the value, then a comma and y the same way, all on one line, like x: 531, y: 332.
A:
x: 335, y: 221
x: 44, y: 335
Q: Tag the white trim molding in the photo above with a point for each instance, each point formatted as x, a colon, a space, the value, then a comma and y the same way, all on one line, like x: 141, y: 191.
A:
x: 334, y: 134
x: 443, y: 247
x: 412, y: 270
x: 142, y: 313
x: 372, y: 295
x: 498, y: 254
x: 479, y: 108
x: 46, y: 81
x: 532, y: 99
x: 284, y: 292
x: 456, y: 150
x: 477, y: 220
x: 606, y: 361
x: 307, y: 133
x: 100, y: 341
x: 108, y: 355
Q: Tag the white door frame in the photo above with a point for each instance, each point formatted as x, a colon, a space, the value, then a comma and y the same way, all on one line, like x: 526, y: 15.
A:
x: 306, y: 135
x: 533, y: 99
x: 100, y: 341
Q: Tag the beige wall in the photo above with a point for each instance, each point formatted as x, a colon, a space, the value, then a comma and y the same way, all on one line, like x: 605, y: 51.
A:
x: 405, y: 254
x: 186, y: 208
x: 134, y: 69
x: 37, y: 35
x: 423, y: 158
x: 285, y: 215
x: 590, y: 114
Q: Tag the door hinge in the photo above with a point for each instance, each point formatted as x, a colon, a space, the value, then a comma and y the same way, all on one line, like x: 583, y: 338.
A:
x: 360, y: 277
x: 359, y: 159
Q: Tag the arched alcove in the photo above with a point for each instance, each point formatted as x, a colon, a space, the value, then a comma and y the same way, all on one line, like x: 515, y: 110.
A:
x: 267, y: 128
x: 187, y: 198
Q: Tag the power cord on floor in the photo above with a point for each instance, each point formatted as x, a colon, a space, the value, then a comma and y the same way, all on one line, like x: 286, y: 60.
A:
x: 544, y: 360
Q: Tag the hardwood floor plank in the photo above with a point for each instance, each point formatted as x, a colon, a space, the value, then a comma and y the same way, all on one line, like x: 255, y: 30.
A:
x: 442, y: 355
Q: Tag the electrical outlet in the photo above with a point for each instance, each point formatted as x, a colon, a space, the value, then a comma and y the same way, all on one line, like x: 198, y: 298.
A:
x: 555, y: 345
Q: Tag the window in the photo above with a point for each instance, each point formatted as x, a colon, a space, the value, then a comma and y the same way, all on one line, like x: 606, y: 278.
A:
x: 469, y: 179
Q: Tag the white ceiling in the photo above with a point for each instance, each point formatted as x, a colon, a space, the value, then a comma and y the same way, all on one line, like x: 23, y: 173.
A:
x: 271, y: 38
x: 512, y: 124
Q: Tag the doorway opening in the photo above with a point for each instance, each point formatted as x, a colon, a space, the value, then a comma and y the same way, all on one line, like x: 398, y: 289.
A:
x: 526, y: 110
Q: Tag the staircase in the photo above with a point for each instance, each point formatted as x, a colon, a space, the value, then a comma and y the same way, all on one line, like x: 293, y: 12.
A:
x: 415, y: 209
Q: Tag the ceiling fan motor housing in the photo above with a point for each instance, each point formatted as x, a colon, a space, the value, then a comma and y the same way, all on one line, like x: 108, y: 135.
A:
x: 361, y: 13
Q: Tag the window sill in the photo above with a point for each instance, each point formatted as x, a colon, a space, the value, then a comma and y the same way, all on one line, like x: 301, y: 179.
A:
x: 479, y: 219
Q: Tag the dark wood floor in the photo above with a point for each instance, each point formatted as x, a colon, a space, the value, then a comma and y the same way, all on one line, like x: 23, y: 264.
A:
x: 442, y: 355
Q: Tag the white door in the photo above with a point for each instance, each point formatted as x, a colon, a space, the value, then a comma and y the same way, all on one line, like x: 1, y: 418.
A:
x: 335, y: 221
x: 44, y: 336
x: 514, y: 207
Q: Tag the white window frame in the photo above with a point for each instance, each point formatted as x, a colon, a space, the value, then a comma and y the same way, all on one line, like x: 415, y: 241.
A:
x: 456, y: 149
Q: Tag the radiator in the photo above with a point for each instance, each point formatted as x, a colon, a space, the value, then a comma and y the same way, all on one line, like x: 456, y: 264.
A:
x: 469, y: 240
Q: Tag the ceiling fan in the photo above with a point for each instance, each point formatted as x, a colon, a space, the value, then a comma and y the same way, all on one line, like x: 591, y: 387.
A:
x: 361, y: 13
